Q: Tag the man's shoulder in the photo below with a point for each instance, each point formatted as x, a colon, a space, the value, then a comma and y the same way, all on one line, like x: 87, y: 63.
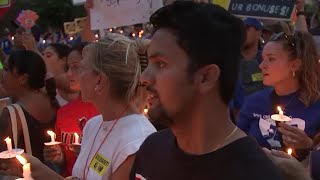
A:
x: 157, y: 140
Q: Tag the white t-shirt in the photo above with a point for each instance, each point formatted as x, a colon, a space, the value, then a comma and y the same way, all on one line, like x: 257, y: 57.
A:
x: 124, y: 140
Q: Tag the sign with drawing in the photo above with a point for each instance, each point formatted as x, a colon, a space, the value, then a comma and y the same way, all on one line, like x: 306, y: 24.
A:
x: 115, y: 13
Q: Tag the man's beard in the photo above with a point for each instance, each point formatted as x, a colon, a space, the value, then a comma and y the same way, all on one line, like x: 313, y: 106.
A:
x: 159, y: 115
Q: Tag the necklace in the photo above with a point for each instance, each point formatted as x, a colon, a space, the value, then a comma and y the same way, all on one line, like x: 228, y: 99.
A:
x: 85, y: 173
x: 225, y: 139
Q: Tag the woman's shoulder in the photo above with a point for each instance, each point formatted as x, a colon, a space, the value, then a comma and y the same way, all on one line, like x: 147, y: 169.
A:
x: 259, y: 97
x: 136, y: 126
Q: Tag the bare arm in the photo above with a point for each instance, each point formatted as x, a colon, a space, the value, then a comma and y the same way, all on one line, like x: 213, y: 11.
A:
x: 301, y: 23
x: 86, y: 33
x: 123, y: 172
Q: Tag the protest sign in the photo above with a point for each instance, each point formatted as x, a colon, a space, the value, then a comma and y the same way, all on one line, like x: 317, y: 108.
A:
x: 80, y: 22
x: 262, y: 9
x: 70, y: 27
x: 114, y: 13
x: 27, y: 19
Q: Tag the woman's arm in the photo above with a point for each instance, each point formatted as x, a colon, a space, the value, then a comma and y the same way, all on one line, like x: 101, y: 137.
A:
x: 122, y: 173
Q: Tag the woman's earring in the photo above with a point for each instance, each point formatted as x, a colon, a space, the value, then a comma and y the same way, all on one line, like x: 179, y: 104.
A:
x: 293, y: 73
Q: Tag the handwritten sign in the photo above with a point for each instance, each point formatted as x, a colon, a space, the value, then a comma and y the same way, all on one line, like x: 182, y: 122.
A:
x: 115, y: 13
x: 263, y: 9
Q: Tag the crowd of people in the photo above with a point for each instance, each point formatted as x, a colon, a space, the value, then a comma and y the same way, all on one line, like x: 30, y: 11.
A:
x: 210, y: 92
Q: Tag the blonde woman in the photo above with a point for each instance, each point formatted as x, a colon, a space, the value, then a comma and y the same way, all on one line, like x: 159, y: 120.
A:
x: 109, y: 78
x: 290, y: 65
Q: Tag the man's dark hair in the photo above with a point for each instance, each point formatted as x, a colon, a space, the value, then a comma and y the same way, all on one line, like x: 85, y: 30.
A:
x: 209, y: 35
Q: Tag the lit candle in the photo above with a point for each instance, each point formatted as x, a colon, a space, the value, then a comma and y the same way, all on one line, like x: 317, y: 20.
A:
x: 133, y: 34
x: 121, y: 31
x: 26, y: 168
x: 96, y: 36
x: 43, y: 41
x: 12, y: 38
x: 9, y: 144
x: 52, y: 135
x: 76, y: 140
x: 71, y: 38
x: 110, y: 30
x: 289, y: 151
x: 280, y: 112
x: 145, y: 110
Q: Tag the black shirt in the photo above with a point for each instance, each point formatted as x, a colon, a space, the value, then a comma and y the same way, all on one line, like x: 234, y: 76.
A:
x: 159, y: 158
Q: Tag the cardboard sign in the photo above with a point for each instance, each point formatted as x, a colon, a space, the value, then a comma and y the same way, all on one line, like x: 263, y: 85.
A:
x: 115, y: 13
x: 262, y: 9
x: 70, y: 27
x: 78, y: 2
x: 80, y: 22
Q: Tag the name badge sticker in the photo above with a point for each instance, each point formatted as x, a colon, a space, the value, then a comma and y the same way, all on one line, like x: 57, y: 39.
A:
x: 99, y: 164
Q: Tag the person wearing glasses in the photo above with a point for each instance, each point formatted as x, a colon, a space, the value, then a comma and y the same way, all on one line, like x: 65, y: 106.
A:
x: 71, y: 118
x: 291, y: 67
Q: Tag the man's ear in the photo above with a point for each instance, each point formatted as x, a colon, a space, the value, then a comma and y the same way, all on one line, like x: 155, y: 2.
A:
x: 207, y: 78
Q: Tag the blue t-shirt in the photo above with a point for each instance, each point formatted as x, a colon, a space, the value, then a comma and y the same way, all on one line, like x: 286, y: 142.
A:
x: 255, y: 118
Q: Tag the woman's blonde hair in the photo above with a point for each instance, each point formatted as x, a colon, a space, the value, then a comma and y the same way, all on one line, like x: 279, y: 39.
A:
x: 117, y: 57
x: 301, y: 45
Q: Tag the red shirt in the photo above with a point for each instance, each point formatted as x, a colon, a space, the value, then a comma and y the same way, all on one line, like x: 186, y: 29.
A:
x: 71, y: 118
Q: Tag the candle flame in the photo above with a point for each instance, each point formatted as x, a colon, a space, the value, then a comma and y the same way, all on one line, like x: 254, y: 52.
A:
x: 145, y: 110
x: 22, y: 160
x: 51, y: 133
x: 7, y: 139
x: 76, y: 135
x: 289, y: 151
x: 12, y: 38
x: 280, y: 110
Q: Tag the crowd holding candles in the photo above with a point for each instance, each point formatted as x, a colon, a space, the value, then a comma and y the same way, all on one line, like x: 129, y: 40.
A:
x: 92, y: 110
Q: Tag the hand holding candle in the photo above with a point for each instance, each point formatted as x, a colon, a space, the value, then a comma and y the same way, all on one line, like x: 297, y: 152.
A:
x: 53, y: 139
x: 26, y: 168
x: 280, y: 117
x: 10, y: 153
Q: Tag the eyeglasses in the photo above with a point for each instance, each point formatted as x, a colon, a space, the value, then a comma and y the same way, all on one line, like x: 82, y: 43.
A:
x: 290, y: 38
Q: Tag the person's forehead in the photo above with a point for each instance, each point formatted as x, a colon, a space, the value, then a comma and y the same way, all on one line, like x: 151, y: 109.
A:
x: 164, y: 42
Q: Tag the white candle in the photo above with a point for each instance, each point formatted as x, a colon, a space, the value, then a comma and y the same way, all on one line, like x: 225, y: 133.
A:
x: 26, y: 168
x: 9, y: 144
x: 289, y: 151
x: 76, y: 140
x: 52, y: 135
x: 280, y: 112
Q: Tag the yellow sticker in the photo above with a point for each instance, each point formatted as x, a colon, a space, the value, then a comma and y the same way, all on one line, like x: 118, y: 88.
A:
x: 256, y: 77
x: 99, y: 164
